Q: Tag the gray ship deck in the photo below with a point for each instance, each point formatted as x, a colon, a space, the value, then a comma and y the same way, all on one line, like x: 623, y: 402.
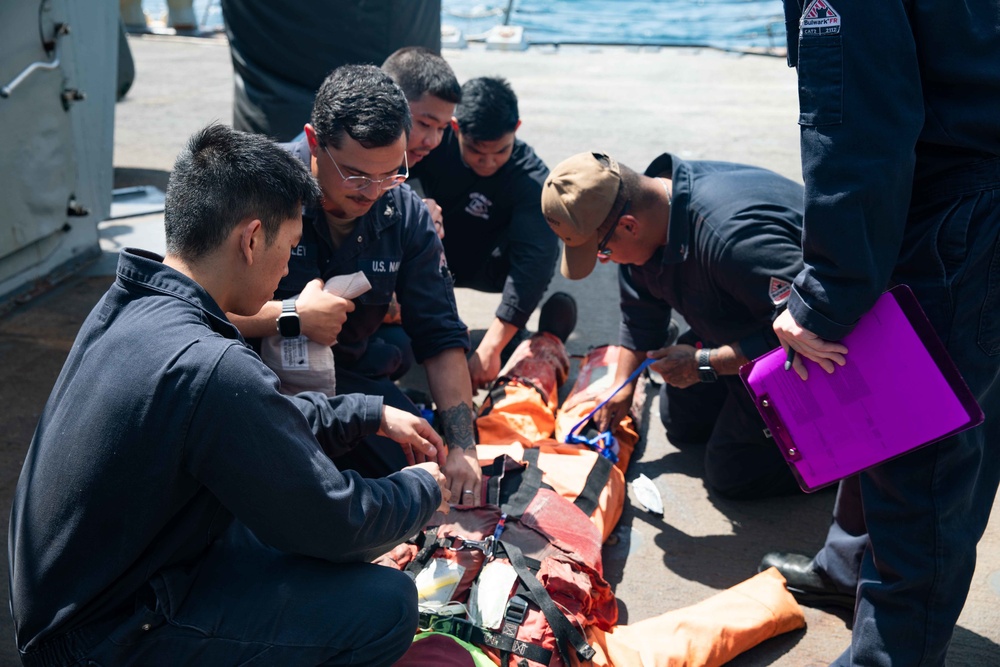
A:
x: 631, y: 102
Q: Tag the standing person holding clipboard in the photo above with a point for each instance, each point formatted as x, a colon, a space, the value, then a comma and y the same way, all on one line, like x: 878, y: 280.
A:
x: 902, y: 175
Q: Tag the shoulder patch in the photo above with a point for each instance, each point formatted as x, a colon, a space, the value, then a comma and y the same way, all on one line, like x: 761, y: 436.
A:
x: 779, y: 291
x: 819, y: 18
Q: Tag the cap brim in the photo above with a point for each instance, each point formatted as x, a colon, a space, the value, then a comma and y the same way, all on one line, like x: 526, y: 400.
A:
x: 578, y: 262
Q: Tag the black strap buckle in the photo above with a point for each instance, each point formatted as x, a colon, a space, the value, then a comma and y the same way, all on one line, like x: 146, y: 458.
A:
x: 517, y: 609
x: 448, y: 624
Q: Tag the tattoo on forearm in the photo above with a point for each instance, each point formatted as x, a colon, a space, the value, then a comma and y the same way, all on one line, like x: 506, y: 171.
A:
x: 458, y: 426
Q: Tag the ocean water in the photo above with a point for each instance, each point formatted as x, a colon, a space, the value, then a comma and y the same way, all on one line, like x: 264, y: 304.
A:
x: 725, y: 24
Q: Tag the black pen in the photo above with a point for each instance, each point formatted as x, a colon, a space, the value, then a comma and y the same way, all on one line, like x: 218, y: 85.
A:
x: 789, y: 357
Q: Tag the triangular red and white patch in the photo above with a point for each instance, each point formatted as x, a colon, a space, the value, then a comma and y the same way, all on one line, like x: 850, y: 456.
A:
x: 779, y: 291
x: 820, y: 18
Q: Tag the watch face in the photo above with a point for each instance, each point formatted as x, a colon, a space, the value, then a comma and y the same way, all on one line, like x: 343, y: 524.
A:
x: 288, y: 325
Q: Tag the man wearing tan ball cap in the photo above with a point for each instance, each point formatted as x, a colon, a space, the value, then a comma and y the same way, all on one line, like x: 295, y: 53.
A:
x: 717, y: 242
x: 578, y: 200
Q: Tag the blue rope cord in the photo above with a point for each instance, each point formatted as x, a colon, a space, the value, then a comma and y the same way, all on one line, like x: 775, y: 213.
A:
x: 604, y: 441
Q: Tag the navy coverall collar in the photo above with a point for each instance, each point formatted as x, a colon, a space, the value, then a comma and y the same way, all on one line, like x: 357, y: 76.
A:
x: 146, y: 269
x: 679, y: 229
x: 383, y: 214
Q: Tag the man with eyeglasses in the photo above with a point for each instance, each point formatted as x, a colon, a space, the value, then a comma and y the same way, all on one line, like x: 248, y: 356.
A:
x: 716, y: 242
x: 367, y: 220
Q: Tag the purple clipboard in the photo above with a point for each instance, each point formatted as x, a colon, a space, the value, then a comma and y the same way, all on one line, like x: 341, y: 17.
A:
x: 898, y: 391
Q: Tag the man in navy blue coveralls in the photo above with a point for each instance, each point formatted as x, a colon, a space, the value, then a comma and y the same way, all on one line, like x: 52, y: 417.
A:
x: 900, y: 127
x: 718, y: 243
x: 174, y: 508
x: 365, y: 220
x: 488, y: 184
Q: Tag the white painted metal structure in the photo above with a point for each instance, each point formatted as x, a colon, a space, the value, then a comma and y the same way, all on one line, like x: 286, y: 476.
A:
x: 58, y: 71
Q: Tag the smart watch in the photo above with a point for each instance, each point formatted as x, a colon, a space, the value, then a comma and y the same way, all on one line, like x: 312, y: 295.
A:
x: 705, y: 371
x: 288, y: 321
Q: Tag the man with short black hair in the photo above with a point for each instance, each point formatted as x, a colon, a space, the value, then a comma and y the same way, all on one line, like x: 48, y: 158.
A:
x: 367, y: 220
x: 174, y: 507
x: 488, y: 184
x: 715, y: 241
x: 431, y: 90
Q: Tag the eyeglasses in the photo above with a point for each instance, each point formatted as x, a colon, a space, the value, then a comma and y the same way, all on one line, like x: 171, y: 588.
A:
x: 358, y: 183
x: 602, y: 247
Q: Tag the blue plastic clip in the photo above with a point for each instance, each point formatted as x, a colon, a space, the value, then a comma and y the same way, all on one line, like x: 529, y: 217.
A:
x: 603, y: 443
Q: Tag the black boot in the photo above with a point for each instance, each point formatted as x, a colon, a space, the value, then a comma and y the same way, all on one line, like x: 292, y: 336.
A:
x: 809, y: 585
x: 558, y: 316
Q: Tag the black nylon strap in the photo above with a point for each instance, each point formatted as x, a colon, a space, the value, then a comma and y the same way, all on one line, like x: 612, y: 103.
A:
x: 590, y: 496
x: 452, y: 625
x: 561, y: 627
x: 430, y: 545
x: 493, y: 469
x: 530, y: 456
x: 529, y: 480
x: 496, y: 474
x: 505, y: 641
x: 496, y: 394
x: 508, y: 644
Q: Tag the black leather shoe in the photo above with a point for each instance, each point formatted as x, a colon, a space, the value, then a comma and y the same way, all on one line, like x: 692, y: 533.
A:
x: 558, y: 316
x: 807, y: 584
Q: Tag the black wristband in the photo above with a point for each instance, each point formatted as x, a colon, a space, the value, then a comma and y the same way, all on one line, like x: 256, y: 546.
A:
x: 288, y: 322
x: 705, y: 371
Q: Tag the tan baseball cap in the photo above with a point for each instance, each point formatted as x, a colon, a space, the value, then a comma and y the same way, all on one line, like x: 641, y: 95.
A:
x: 577, y: 198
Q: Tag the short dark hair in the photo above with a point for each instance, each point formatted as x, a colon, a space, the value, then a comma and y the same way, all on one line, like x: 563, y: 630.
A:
x: 419, y: 71
x: 223, y: 177
x: 488, y: 109
x: 362, y: 101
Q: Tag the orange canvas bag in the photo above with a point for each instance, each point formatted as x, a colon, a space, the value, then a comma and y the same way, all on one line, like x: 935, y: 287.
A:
x: 523, y: 404
x: 707, y: 634
x: 519, y: 417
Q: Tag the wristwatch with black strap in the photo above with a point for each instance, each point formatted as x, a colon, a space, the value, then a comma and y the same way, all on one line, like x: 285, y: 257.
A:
x: 288, y: 321
x: 705, y: 371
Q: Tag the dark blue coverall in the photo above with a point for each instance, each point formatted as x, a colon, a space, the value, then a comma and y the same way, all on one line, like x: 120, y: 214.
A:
x: 900, y: 127
x: 496, y: 239
x: 732, y: 251
x: 395, y: 245
x: 175, y: 509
